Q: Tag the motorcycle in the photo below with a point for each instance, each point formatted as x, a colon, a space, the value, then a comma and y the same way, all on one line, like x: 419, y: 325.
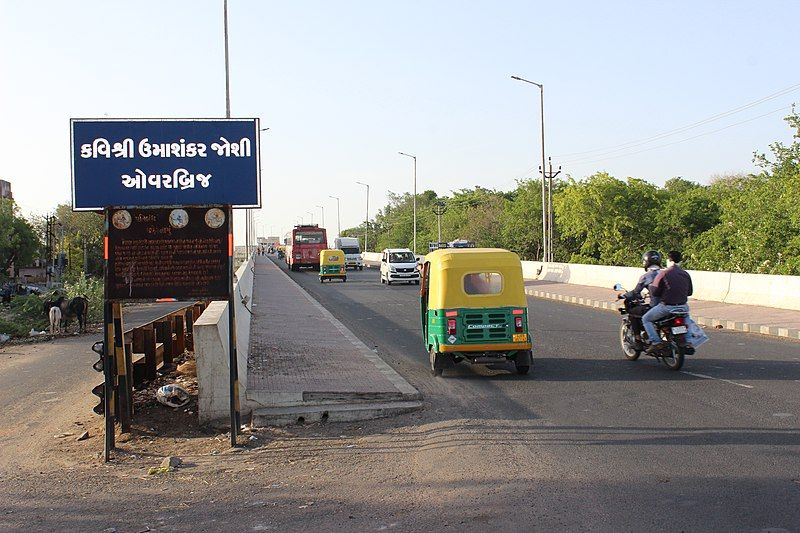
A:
x: 672, y: 329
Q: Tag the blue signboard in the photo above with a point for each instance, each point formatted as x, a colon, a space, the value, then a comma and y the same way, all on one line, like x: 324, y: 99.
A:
x: 165, y: 162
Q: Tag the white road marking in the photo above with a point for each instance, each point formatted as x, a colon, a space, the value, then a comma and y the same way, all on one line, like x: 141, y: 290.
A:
x: 704, y: 376
x: 783, y: 415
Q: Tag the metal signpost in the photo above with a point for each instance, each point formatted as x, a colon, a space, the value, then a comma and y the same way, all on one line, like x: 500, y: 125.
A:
x: 168, y: 189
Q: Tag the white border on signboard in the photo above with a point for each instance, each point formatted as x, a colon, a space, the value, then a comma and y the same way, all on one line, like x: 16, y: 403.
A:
x: 117, y: 119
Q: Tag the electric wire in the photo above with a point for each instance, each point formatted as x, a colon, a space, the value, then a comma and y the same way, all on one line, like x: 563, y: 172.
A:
x: 638, y: 142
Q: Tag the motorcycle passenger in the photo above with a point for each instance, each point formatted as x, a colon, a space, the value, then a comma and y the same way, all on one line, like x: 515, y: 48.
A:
x: 673, y: 286
x: 651, y: 261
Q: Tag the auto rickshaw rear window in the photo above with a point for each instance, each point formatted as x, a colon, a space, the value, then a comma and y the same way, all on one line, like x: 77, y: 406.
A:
x: 483, y: 283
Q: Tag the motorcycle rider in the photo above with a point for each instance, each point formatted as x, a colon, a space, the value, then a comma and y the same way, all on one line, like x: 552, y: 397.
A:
x: 651, y: 261
x: 673, y: 286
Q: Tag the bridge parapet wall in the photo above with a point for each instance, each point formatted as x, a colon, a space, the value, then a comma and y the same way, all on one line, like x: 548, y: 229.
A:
x: 211, y: 349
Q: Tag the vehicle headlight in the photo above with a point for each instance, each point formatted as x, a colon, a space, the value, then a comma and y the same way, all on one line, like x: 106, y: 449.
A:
x: 392, y: 269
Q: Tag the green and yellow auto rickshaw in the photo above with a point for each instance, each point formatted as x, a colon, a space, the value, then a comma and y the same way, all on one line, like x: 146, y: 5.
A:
x: 331, y: 265
x: 474, y: 308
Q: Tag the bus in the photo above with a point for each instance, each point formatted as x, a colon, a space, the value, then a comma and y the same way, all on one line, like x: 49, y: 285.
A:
x: 304, y: 245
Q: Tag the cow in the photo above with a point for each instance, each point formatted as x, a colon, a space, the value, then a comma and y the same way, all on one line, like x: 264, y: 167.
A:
x: 77, y: 307
x: 55, y: 320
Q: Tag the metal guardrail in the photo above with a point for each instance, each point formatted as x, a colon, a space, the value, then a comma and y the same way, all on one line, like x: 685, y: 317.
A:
x: 139, y: 354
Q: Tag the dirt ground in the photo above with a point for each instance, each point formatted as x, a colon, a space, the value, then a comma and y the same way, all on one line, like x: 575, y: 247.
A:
x: 303, y: 477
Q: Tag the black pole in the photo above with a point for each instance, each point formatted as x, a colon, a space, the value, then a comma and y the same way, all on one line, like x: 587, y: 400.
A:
x: 232, y: 355
x: 108, y: 359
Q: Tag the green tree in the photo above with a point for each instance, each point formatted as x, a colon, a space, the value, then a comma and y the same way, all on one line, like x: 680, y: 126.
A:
x: 19, y: 244
x: 83, y: 234
x: 609, y: 219
x: 522, y: 220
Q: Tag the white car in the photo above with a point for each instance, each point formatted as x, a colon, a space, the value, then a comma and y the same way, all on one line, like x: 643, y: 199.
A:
x: 399, y: 264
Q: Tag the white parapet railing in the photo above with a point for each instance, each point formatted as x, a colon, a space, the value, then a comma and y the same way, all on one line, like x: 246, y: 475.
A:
x: 211, y: 349
x: 751, y: 289
x: 766, y: 290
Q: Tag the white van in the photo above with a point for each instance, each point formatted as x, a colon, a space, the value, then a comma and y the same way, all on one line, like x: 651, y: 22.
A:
x: 399, y: 264
x: 352, y: 251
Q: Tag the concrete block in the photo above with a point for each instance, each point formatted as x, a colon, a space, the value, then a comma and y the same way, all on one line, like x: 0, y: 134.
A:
x: 305, y: 414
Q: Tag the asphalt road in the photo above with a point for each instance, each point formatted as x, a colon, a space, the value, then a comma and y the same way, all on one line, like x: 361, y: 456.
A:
x: 590, y: 440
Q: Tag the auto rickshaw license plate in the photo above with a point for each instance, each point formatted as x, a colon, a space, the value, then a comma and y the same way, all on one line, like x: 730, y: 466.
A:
x: 520, y: 337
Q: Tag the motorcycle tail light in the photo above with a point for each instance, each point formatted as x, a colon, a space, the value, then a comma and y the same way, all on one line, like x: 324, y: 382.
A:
x: 451, y: 326
x: 518, y: 324
x: 678, y: 321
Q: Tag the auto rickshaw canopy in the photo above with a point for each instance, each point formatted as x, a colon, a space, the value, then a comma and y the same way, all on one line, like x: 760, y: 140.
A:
x: 453, y: 272
x: 331, y: 257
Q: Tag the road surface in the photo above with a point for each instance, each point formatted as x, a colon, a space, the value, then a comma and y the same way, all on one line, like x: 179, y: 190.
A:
x: 589, y: 439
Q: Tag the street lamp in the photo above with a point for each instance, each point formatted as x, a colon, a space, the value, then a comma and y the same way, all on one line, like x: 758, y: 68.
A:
x: 323, y: 215
x: 545, y: 207
x: 366, y: 220
x: 312, y: 217
x: 338, y: 217
x: 415, y: 197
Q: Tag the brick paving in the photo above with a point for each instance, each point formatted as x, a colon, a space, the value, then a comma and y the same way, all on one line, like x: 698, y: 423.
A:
x: 300, y: 352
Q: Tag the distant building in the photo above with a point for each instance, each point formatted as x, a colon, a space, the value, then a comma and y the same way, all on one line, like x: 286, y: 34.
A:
x: 5, y: 190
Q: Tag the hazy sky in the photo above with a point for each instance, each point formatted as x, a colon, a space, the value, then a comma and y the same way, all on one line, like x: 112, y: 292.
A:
x: 343, y: 86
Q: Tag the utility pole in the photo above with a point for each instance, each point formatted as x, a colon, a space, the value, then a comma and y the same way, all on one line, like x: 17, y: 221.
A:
x: 366, y: 218
x: 439, y: 208
x: 338, y: 217
x: 415, y: 197
x: 545, y: 245
x: 549, y: 175
x: 322, y: 209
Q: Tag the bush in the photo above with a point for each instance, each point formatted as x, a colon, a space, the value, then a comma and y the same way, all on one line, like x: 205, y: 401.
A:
x: 23, y: 314
x: 92, y: 289
x: 15, y: 328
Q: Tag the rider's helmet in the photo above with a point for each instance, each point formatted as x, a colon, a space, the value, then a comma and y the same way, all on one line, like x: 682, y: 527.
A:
x: 653, y: 257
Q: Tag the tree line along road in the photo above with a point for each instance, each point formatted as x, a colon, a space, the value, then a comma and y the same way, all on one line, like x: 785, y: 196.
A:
x: 590, y: 440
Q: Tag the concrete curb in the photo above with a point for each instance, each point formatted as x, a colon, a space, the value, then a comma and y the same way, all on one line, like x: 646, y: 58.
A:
x: 305, y: 414
x: 717, y: 323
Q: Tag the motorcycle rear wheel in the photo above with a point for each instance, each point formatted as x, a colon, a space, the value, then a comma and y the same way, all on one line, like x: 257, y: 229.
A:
x: 674, y: 357
x: 627, y: 340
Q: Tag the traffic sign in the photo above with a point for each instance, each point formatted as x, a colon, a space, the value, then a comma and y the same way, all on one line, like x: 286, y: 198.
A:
x: 165, y: 162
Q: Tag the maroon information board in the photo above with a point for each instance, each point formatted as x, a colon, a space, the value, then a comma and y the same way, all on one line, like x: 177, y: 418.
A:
x: 177, y: 252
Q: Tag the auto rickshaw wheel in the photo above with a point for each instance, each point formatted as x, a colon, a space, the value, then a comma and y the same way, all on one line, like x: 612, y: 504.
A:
x: 437, y: 362
x: 523, y: 362
x: 321, y: 279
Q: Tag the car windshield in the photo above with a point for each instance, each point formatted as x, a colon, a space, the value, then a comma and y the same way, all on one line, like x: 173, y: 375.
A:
x: 401, y: 257
x: 308, y: 237
x: 351, y: 250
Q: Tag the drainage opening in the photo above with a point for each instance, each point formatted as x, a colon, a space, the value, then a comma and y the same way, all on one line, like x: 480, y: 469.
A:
x: 324, y: 416
x: 301, y: 420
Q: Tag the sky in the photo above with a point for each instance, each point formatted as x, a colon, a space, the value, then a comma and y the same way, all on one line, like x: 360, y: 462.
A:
x: 343, y: 86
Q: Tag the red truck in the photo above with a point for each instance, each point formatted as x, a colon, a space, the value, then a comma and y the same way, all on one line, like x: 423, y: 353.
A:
x: 304, y: 246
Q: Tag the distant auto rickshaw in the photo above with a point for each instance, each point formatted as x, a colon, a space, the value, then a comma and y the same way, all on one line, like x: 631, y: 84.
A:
x: 331, y: 265
x: 474, y: 308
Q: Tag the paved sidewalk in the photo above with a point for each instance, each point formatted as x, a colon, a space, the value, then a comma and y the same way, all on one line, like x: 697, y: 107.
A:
x: 748, y: 318
x: 303, y: 360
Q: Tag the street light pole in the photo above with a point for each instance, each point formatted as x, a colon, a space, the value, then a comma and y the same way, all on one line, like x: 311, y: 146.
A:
x: 366, y: 219
x: 415, y: 197
x: 338, y: 217
x: 439, y: 208
x: 545, y: 207
x: 323, y: 215
x: 312, y: 217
